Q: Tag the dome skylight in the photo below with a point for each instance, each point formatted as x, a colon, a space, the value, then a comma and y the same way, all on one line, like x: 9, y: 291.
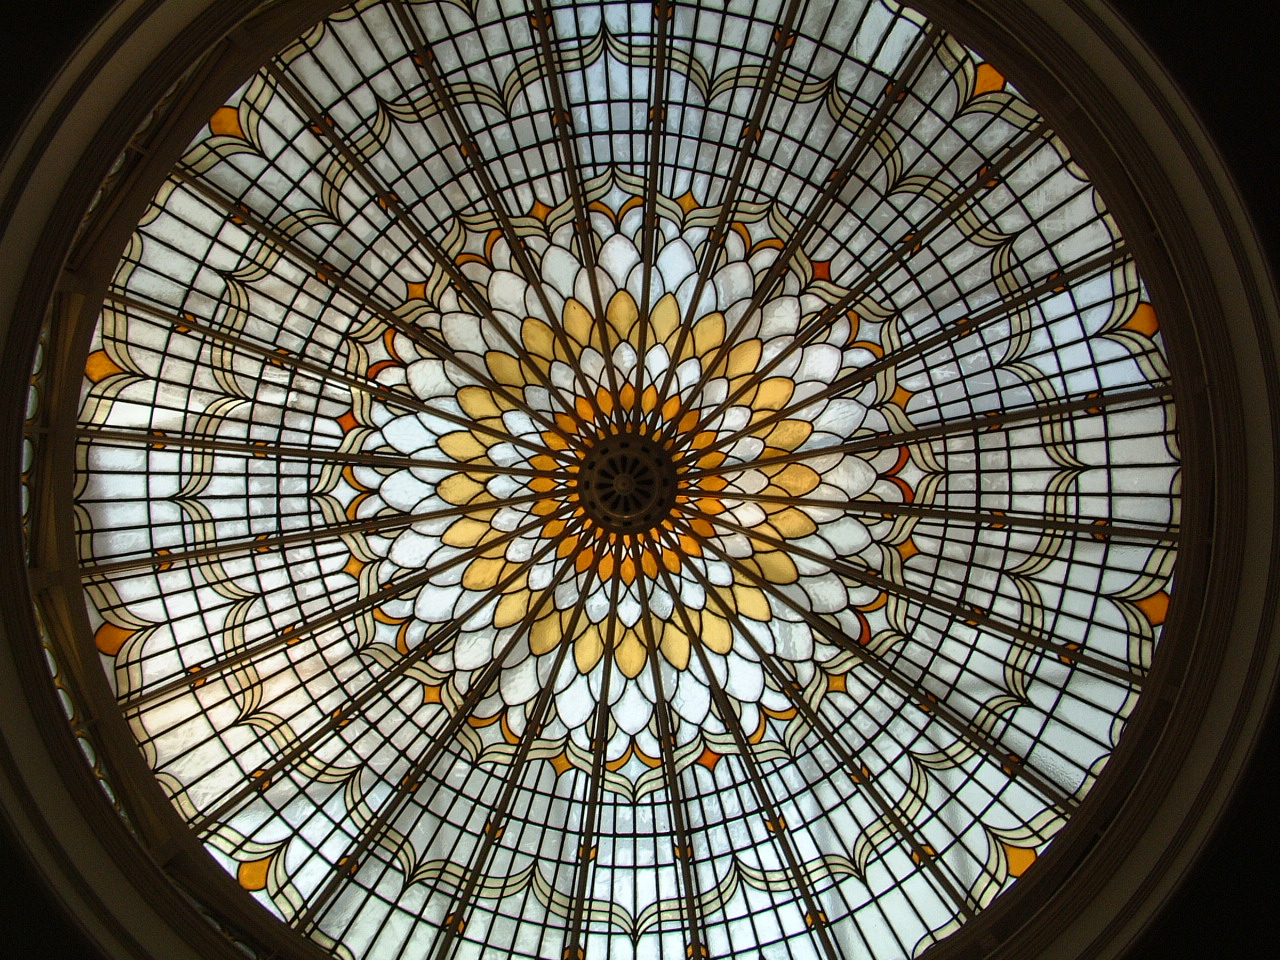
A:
x: 627, y: 480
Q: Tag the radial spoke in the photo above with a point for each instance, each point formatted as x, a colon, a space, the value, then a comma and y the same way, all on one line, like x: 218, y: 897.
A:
x: 316, y: 533
x: 664, y: 15
x: 1100, y: 529
x: 356, y: 706
x: 815, y: 918
x: 855, y: 151
x: 957, y: 611
x: 562, y: 125
x: 387, y: 198
x: 159, y: 440
x: 425, y: 59
x: 392, y: 589
x: 752, y: 133
x: 961, y: 328
x: 187, y: 323
x: 690, y: 903
x: 832, y: 740
x: 1004, y: 759
x: 995, y: 420
x: 378, y: 826
x: 988, y: 177
x: 437, y: 348
x: 588, y: 844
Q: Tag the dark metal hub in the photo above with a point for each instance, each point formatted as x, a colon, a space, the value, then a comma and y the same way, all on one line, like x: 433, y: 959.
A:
x: 627, y: 483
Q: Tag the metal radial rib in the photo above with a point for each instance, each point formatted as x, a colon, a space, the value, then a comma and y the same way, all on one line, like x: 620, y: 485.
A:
x: 988, y: 177
x: 815, y: 918
x: 690, y: 904
x: 308, y: 918
x: 562, y: 124
x: 313, y: 534
x: 761, y: 98
x: 993, y: 751
x: 391, y: 589
x: 461, y: 282
x: 326, y: 374
x: 957, y: 612
x: 894, y: 94
x: 1000, y: 310
x: 425, y: 60
x: 664, y: 13
x: 1100, y: 528
x: 463, y: 900
x: 355, y: 706
x: 588, y: 843
x: 258, y: 450
x: 835, y: 742
x: 364, y: 298
x: 996, y: 420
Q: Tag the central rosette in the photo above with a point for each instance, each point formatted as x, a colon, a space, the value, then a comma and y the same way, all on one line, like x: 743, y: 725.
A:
x: 627, y: 483
x: 625, y: 489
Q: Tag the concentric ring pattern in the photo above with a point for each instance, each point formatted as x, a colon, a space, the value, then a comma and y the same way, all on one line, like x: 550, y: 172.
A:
x: 627, y: 480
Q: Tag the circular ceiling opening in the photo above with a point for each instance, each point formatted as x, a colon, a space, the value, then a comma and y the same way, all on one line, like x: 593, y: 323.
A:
x: 624, y: 480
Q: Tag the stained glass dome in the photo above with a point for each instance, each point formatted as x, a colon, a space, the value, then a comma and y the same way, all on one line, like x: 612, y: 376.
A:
x: 631, y: 480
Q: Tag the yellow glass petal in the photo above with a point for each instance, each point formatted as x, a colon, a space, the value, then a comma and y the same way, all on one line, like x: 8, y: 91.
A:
x: 465, y: 532
x: 459, y: 489
x: 483, y: 573
x: 797, y: 479
x: 630, y: 654
x: 664, y: 318
x: 717, y: 634
x: 708, y: 334
x: 462, y: 446
x: 545, y: 635
x: 511, y: 608
x: 622, y: 314
x: 505, y: 368
x: 752, y: 603
x: 773, y: 394
x: 675, y: 646
x: 578, y: 323
x: 588, y: 649
x: 479, y: 403
x: 788, y: 434
x: 793, y: 524
x: 743, y: 359
x: 776, y: 567
x: 538, y: 338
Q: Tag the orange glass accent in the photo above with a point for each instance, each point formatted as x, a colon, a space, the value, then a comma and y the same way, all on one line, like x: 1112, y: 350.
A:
x: 110, y: 638
x: 99, y: 366
x: 225, y: 122
x: 988, y: 80
x: 1144, y: 320
x: 1020, y: 859
x: 1155, y: 607
x: 252, y: 875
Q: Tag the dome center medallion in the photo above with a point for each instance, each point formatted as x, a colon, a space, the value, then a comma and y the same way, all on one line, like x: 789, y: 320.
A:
x: 627, y: 483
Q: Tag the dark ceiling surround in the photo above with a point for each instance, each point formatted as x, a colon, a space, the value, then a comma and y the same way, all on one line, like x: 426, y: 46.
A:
x: 1151, y: 160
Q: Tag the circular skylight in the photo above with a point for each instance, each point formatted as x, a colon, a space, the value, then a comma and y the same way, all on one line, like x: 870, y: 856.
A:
x: 627, y: 480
